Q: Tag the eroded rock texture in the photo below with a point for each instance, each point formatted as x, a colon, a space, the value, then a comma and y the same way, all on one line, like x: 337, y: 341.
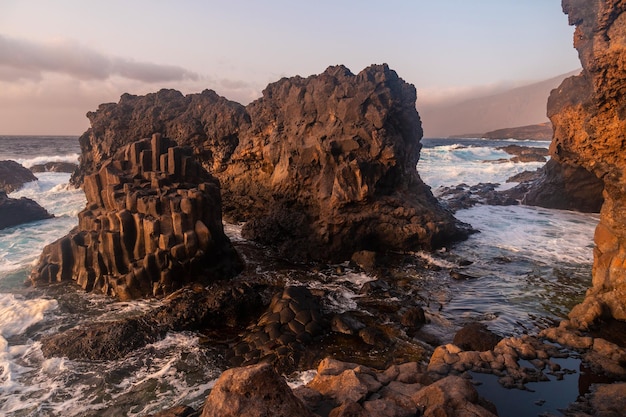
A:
x: 588, y: 112
x: 565, y: 187
x: 152, y: 224
x: 320, y: 167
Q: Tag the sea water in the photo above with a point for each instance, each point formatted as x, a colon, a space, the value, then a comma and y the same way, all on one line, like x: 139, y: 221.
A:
x: 530, y: 266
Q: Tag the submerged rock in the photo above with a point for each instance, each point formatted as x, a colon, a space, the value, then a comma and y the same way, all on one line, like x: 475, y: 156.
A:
x: 16, y: 211
x: 525, y: 153
x: 562, y: 186
x: 320, y: 167
x: 281, y: 335
x: 152, y: 224
x: 13, y: 176
x: 476, y: 336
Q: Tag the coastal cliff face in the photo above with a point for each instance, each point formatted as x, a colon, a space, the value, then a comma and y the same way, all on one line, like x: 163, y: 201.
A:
x: 588, y: 112
x: 319, y: 167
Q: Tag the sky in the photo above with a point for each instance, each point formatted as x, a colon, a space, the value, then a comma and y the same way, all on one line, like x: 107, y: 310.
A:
x: 60, y: 59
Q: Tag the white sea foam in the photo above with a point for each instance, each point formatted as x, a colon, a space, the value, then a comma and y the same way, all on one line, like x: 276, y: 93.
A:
x: 450, y: 165
x: 172, y: 371
x: 546, y: 236
x: 52, y: 192
x: 30, y: 162
x: 299, y: 379
x: 17, y: 315
x: 342, y: 290
x: 233, y: 231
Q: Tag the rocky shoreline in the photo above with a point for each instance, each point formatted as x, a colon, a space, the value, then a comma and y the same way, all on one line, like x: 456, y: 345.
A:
x: 322, y: 169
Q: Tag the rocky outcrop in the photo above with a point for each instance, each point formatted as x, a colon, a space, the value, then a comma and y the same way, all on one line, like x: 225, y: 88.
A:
x: 320, y: 167
x: 525, y: 153
x: 565, y: 187
x: 13, y: 176
x: 152, y: 224
x: 15, y: 211
x: 588, y: 112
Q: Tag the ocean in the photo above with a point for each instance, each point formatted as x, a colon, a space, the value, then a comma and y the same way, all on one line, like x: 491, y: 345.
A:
x: 531, y: 266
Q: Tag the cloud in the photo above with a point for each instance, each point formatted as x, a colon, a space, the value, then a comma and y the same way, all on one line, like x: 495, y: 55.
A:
x: 25, y: 60
x: 446, y: 96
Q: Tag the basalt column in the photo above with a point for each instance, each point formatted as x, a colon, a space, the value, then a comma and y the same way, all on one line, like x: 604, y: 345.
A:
x: 152, y: 224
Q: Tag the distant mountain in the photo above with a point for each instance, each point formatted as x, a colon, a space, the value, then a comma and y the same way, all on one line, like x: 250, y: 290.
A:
x: 522, y: 106
x: 541, y: 131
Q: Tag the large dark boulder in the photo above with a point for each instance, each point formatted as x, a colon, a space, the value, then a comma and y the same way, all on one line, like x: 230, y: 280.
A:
x: 153, y: 223
x: 320, y: 167
x: 566, y: 187
x: 15, y: 211
x: 13, y: 176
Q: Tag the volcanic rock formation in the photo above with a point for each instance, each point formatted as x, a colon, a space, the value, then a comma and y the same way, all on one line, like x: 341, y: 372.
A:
x: 588, y: 112
x: 13, y: 176
x: 14, y: 211
x: 320, y: 167
x: 565, y: 187
x: 152, y: 224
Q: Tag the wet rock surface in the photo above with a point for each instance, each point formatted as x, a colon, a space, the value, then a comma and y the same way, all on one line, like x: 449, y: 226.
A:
x: 562, y: 186
x: 221, y: 309
x: 292, y: 321
x: 321, y: 167
x: 16, y: 211
x: 464, y: 196
x: 13, y: 176
x: 152, y: 225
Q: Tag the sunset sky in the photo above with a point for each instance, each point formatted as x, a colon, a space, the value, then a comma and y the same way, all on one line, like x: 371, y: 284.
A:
x: 60, y: 59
